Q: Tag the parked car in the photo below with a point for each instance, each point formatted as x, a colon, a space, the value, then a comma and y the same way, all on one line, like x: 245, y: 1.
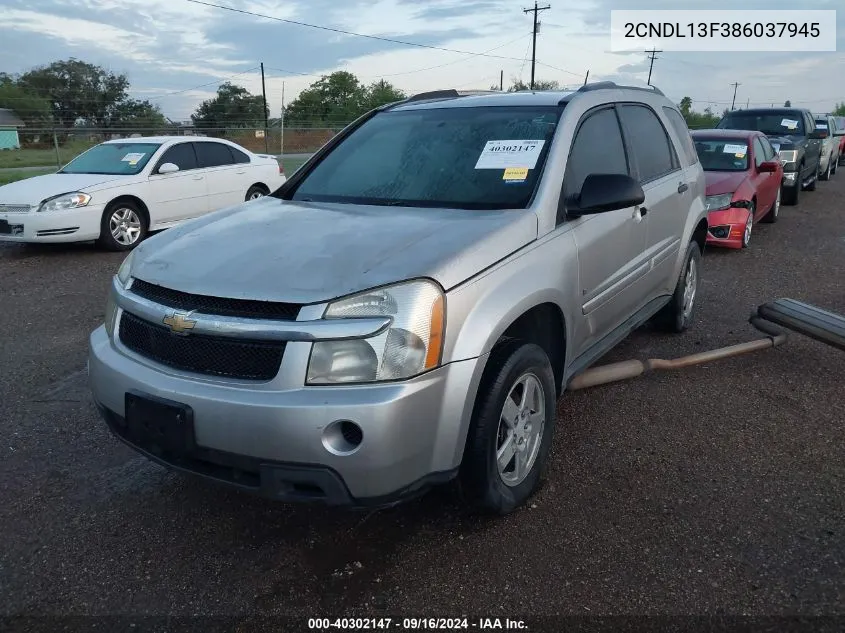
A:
x: 839, y: 133
x: 826, y: 126
x: 407, y: 307
x: 118, y: 191
x: 744, y: 178
x: 792, y: 133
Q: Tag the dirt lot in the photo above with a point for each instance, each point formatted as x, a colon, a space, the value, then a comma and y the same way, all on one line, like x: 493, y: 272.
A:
x: 716, y: 490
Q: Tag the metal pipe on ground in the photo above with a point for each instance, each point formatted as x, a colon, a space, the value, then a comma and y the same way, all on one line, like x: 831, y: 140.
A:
x: 625, y: 370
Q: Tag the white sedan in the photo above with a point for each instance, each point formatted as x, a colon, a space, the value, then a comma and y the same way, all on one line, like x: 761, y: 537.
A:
x: 119, y: 190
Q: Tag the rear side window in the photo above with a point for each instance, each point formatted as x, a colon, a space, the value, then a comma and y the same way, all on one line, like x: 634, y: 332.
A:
x: 681, y: 129
x: 181, y: 155
x: 597, y: 149
x: 239, y: 156
x: 652, y: 148
x: 213, y: 154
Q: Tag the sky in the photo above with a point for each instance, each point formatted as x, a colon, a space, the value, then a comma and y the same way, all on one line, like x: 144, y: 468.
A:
x: 176, y: 52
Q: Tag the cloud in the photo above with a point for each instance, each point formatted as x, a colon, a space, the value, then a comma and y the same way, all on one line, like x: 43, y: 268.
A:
x: 175, y: 52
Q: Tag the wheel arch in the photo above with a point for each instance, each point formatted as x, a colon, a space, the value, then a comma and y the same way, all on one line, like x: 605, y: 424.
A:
x: 142, y: 207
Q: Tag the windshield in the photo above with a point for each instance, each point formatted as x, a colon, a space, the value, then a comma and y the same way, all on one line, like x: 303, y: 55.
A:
x: 117, y: 159
x: 722, y: 154
x: 771, y: 124
x: 467, y: 158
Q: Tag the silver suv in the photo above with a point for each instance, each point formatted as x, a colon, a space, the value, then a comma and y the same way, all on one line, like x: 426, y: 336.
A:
x: 408, y: 307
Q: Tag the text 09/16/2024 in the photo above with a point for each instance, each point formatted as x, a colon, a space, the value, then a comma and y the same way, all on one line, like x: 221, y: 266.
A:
x: 724, y: 31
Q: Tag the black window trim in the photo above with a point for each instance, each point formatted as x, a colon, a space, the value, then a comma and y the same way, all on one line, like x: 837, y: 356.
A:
x: 561, y: 215
x: 676, y: 166
x: 161, y: 161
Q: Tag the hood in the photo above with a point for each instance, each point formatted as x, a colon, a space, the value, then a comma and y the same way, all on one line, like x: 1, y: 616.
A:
x: 33, y: 191
x: 719, y: 182
x: 298, y: 252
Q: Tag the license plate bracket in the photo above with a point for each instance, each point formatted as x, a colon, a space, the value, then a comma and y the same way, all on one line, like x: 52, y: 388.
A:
x: 158, y: 424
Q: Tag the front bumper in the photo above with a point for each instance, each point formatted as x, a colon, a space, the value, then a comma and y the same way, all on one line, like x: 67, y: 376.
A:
x: 73, y: 225
x: 726, y: 227
x: 272, y: 441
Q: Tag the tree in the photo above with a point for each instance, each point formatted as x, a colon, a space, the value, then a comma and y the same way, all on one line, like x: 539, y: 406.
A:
x: 685, y: 106
x: 233, y: 106
x: 788, y: 104
x: 33, y: 109
x: 133, y: 113
x: 517, y: 85
x: 839, y: 110
x: 77, y: 91
x: 697, y: 120
x: 337, y: 99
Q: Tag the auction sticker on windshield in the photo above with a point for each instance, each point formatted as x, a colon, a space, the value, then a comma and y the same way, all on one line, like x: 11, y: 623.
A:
x: 739, y: 150
x: 132, y: 158
x: 789, y: 124
x: 504, y: 154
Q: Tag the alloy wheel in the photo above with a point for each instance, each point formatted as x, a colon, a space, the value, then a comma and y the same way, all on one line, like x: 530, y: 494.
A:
x: 520, y: 432
x: 690, y: 288
x: 125, y: 226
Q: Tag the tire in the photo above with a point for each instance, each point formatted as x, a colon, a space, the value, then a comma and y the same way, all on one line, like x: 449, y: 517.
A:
x: 835, y: 165
x: 749, y: 224
x: 772, y: 216
x: 482, y: 482
x: 122, y: 227
x: 255, y: 192
x: 678, y: 314
x: 826, y: 174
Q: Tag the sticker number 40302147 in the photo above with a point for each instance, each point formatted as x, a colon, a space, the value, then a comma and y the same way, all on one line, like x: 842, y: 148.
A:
x: 510, y: 153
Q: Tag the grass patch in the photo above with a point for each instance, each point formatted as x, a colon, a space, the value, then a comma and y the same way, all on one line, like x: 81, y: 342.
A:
x: 20, y: 174
x: 44, y: 157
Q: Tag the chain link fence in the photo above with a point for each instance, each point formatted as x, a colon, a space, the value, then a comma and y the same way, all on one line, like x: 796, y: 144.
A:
x: 55, y: 147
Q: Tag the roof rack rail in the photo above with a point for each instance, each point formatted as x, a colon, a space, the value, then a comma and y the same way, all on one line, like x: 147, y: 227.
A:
x: 450, y: 93
x: 608, y: 85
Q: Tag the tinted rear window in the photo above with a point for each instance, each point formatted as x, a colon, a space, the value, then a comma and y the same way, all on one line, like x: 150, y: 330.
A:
x: 472, y: 158
x: 771, y: 123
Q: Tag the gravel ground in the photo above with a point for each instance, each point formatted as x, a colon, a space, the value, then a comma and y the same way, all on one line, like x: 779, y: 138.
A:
x: 716, y: 490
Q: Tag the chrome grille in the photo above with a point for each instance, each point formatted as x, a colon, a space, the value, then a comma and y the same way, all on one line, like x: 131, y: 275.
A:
x: 14, y: 208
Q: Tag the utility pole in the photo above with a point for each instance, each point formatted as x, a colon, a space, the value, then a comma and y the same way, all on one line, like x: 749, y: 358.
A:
x: 587, y: 77
x: 536, y: 10
x: 748, y: 103
x: 735, y: 85
x: 652, y: 56
x: 501, y: 81
x: 264, y: 95
x: 282, y: 126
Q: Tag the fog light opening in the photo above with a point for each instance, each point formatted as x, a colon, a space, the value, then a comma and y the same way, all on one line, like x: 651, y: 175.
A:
x: 342, y: 437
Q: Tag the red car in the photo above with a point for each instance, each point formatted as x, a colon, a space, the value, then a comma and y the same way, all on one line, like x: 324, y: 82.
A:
x: 840, y: 132
x: 744, y: 177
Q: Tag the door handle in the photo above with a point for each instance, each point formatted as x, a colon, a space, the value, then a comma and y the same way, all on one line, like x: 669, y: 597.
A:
x: 683, y: 187
x: 197, y: 178
x: 243, y: 171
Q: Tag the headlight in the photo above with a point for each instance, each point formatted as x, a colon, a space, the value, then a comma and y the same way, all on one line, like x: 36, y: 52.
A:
x: 412, y: 344
x: 723, y: 201
x: 789, y: 155
x: 65, y: 201
x: 125, y: 270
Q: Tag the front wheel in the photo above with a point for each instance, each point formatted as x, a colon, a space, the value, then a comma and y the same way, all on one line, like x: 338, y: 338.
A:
x: 812, y: 186
x: 827, y: 172
x: 677, y: 315
x: 510, y: 436
x: 255, y: 192
x: 749, y: 224
x: 122, y: 227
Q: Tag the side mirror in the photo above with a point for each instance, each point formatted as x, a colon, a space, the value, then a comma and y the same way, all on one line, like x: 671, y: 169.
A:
x: 819, y: 134
x: 607, y: 192
x: 168, y: 168
x: 768, y: 167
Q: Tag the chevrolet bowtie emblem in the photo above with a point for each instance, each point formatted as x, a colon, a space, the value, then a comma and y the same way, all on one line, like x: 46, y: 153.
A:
x: 179, y: 322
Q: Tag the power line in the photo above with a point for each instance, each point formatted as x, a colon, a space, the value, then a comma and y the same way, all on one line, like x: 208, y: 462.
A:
x: 344, y: 32
x: 536, y: 11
